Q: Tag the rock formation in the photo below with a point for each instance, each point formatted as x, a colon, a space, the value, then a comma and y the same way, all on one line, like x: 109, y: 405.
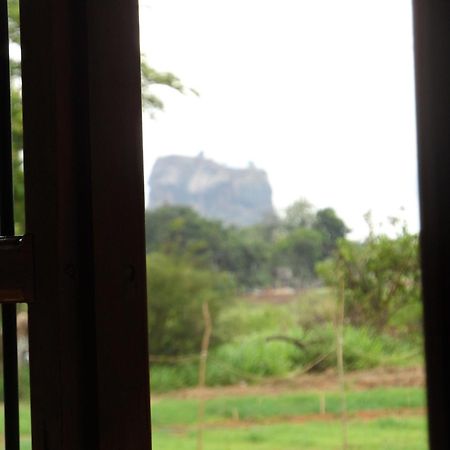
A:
x: 235, y: 196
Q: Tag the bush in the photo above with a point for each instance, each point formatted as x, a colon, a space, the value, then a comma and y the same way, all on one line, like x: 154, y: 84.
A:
x: 176, y: 291
x: 251, y: 358
x: 381, y: 281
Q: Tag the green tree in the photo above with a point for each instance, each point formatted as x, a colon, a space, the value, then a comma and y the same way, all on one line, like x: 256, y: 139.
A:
x: 182, y: 232
x: 300, y: 214
x: 151, y: 77
x: 176, y: 292
x: 331, y: 227
x: 381, y: 281
x: 300, y: 250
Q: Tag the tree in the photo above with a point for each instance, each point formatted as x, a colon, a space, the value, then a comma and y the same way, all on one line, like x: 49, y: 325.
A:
x: 151, y: 77
x: 300, y: 214
x: 305, y: 237
x: 381, y: 281
x: 300, y: 250
x: 331, y: 227
x: 176, y: 292
x: 180, y: 231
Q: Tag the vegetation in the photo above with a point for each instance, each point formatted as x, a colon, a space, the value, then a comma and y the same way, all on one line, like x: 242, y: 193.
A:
x: 196, y: 258
x: 392, y: 433
x: 381, y: 281
x: 177, y: 291
x: 174, y: 411
x: 256, y: 256
x: 287, y: 421
x: 245, y: 353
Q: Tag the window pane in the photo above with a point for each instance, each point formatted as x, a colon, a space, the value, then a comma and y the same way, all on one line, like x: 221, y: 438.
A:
x: 282, y: 224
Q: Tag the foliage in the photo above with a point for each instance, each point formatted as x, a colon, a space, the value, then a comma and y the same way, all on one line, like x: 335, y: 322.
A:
x: 309, y: 236
x: 381, y: 280
x: 178, y: 230
x: 244, y: 351
x: 17, y: 160
x: 151, y: 77
x: 176, y: 292
x: 252, y: 358
x: 299, y: 215
x: 300, y: 250
x: 181, y: 232
x: 254, y: 254
x: 331, y: 227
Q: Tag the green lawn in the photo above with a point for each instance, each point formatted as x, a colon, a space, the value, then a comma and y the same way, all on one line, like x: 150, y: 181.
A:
x: 175, y: 422
x: 166, y: 411
x: 381, y: 434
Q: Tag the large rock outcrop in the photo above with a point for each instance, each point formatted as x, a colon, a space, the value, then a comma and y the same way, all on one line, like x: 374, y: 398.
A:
x: 235, y: 196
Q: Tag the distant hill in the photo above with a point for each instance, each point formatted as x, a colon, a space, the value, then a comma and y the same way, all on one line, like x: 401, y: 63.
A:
x: 235, y: 196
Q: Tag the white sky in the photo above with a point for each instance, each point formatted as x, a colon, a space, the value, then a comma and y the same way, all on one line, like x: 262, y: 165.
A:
x: 319, y: 93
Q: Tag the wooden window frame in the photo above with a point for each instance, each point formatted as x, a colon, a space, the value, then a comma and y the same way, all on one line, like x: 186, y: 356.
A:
x: 432, y: 56
x: 84, y: 192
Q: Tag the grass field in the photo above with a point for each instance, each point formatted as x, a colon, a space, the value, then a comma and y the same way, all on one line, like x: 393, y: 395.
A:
x: 262, y: 400
x: 381, y: 434
x: 379, y: 419
x: 169, y: 411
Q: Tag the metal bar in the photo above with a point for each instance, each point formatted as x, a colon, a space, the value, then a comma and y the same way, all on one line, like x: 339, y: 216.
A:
x: 10, y: 369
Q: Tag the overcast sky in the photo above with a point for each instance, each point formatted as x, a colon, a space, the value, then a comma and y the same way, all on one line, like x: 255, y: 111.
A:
x: 319, y: 93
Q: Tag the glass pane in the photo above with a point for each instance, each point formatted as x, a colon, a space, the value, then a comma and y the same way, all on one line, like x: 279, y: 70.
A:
x: 282, y: 225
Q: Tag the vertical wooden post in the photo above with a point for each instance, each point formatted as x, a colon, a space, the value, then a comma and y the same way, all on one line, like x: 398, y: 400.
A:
x: 340, y: 316
x: 85, y: 209
x: 202, y: 371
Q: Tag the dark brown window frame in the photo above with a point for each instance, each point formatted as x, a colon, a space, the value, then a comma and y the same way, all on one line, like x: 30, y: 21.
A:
x: 84, y: 193
x: 432, y: 55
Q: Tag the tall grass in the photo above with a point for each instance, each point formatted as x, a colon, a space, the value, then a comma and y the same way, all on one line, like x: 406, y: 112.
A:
x: 247, y: 353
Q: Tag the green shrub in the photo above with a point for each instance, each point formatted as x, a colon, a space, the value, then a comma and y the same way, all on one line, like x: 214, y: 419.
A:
x: 251, y: 358
x: 176, y: 291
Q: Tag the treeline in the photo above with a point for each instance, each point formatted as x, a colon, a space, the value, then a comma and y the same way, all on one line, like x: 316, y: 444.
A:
x: 279, y: 251
x: 193, y: 260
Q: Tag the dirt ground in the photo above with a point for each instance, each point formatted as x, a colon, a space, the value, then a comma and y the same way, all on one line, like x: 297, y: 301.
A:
x: 327, y: 381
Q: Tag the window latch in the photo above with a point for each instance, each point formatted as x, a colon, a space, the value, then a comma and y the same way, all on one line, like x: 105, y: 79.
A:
x: 16, y: 269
